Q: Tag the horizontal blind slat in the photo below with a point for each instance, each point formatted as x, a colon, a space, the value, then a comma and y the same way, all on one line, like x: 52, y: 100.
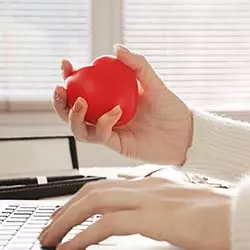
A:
x: 34, y: 37
x: 201, y: 49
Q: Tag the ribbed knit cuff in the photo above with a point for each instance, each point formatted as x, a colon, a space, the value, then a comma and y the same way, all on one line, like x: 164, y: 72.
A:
x: 240, y: 224
x: 220, y: 147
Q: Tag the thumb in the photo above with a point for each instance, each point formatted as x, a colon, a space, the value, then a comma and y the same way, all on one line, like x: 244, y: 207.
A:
x: 144, y: 71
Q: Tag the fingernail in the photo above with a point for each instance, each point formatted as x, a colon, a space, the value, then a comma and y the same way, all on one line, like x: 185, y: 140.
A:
x: 56, y: 95
x: 77, y: 106
x: 116, y: 110
x: 42, y: 237
x: 63, y: 64
x: 120, y: 48
x: 42, y: 233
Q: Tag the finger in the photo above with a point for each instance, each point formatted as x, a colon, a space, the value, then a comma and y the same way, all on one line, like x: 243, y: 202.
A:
x: 106, y: 184
x: 101, y: 184
x: 106, y: 122
x: 66, y: 68
x: 60, y: 103
x: 97, y: 202
x: 144, y: 71
x: 85, y: 190
x: 76, y: 119
x: 57, y: 211
x: 117, y: 223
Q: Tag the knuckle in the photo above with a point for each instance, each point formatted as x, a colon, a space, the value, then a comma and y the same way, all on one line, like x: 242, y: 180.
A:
x: 79, y: 138
x: 71, y: 121
x: 102, y: 137
x: 142, y: 59
x: 72, y: 117
x: 99, y: 132
x: 90, y: 186
x: 103, y: 134
x: 62, y: 115
x: 57, y: 101
x: 73, y: 126
x: 79, y: 134
x: 103, y: 121
x: 95, y: 198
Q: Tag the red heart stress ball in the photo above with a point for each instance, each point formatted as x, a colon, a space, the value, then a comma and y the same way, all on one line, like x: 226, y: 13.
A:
x: 104, y: 84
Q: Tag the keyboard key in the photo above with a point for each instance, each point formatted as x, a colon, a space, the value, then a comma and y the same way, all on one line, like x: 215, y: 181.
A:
x: 40, y: 218
x: 42, y: 215
x: 12, y: 224
x: 20, y: 216
x: 11, y: 227
x: 41, y: 207
x: 5, y: 237
x: 41, y: 223
x: 48, y: 212
x: 91, y: 219
x: 31, y: 230
x: 6, y: 213
x: 3, y: 242
x: 9, y: 209
x: 2, y: 218
x: 27, y: 235
x: 8, y: 232
x: 28, y: 206
x: 20, y: 246
x: 32, y: 226
x: 14, y: 220
x: 38, y: 246
x: 26, y: 209
x: 20, y: 226
x: 7, y: 229
x: 28, y: 213
x: 82, y: 227
x: 75, y: 231
x: 23, y: 240
x: 13, y: 205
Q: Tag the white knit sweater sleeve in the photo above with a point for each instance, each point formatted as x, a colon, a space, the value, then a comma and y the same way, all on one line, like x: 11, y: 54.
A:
x: 240, y: 225
x: 220, y: 147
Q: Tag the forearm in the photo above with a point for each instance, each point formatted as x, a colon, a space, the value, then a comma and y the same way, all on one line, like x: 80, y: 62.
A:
x: 220, y: 147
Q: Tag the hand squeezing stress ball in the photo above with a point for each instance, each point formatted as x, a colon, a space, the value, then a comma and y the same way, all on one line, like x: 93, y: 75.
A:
x: 105, y: 84
x: 158, y: 132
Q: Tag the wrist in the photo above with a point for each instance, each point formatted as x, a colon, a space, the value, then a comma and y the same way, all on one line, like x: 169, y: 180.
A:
x: 219, y: 146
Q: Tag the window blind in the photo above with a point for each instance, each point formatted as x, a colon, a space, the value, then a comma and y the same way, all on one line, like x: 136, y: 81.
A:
x: 200, y: 48
x: 35, y: 35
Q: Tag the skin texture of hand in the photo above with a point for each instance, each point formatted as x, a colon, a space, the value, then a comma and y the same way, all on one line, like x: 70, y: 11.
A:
x: 187, y: 216
x: 160, y: 131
